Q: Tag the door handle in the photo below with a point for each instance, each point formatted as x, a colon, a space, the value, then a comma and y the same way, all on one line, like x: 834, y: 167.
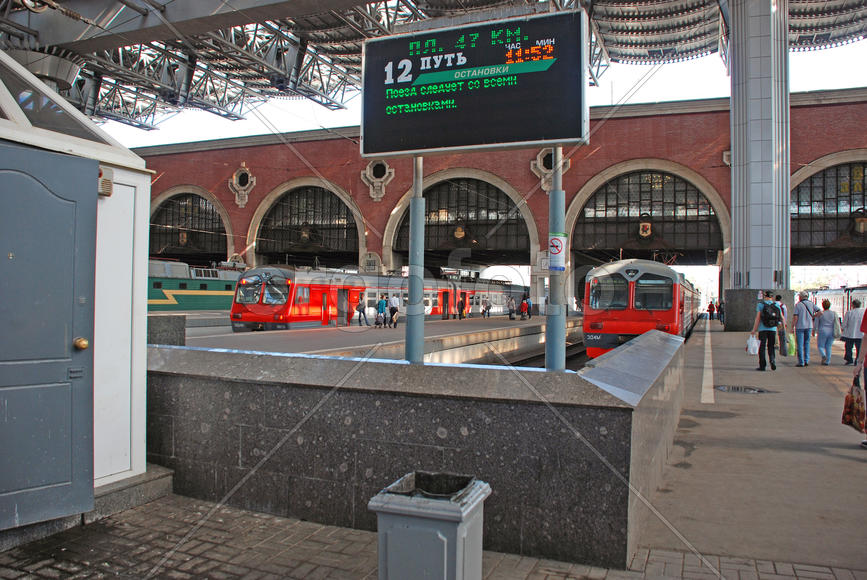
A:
x: 81, y: 343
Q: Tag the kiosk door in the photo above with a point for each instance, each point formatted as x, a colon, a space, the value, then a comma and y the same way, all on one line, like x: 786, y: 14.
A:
x: 47, y: 253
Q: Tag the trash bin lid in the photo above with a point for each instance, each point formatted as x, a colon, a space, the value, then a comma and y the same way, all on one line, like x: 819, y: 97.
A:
x: 450, y: 486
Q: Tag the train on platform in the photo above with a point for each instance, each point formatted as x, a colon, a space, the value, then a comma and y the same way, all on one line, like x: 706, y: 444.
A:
x: 840, y: 298
x: 283, y: 297
x: 177, y: 286
x: 627, y: 298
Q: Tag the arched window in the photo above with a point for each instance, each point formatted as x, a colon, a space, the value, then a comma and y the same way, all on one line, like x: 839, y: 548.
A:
x: 648, y: 214
x: 829, y: 216
x: 188, y: 228
x: 309, y: 226
x: 473, y: 216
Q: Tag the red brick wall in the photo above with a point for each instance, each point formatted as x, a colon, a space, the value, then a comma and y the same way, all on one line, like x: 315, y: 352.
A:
x: 694, y: 140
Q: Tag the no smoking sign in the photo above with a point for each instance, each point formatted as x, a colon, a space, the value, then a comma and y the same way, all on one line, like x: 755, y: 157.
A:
x: 557, y: 251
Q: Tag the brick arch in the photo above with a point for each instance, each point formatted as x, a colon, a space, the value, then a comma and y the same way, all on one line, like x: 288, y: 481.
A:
x: 823, y: 163
x: 720, y: 208
x: 212, y: 199
x: 287, y: 186
x: 402, y: 206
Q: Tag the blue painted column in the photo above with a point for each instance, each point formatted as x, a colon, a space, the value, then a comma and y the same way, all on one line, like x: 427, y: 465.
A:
x: 555, y: 327
x: 414, y: 345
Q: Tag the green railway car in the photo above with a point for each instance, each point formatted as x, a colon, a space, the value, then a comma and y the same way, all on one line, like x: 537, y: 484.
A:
x: 177, y: 286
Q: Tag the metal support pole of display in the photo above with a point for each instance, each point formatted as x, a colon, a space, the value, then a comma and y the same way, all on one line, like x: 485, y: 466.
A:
x: 555, y: 326
x: 415, y: 308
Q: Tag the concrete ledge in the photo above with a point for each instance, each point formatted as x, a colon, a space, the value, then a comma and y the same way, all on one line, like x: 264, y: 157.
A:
x: 165, y: 328
x: 315, y: 437
x: 116, y: 497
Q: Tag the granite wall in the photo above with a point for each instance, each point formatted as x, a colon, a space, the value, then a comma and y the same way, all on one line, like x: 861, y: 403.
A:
x: 316, y: 437
x: 740, y: 307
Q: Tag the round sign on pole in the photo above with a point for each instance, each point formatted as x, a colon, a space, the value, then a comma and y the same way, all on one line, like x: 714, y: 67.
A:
x: 557, y: 245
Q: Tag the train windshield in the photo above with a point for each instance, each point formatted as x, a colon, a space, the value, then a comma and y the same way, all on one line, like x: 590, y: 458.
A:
x: 653, y: 292
x: 249, y: 290
x: 276, y: 291
x: 609, y: 292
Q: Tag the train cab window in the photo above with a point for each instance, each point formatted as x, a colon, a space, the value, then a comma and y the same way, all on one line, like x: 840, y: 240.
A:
x: 249, y: 290
x: 302, y: 295
x: 276, y: 291
x: 609, y: 292
x: 653, y: 292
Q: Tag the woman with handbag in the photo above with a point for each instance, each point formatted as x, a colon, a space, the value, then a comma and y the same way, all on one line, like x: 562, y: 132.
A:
x: 859, y: 366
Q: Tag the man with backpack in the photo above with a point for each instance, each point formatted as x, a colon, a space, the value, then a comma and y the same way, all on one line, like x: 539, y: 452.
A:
x: 768, y: 318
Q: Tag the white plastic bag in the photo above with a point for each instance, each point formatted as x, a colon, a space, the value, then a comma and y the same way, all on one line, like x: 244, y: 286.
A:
x: 752, y: 345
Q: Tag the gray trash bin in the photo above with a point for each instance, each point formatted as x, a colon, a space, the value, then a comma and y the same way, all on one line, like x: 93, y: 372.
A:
x: 430, y: 526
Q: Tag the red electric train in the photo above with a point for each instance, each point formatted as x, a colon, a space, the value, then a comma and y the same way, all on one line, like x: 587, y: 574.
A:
x: 282, y: 297
x: 627, y: 298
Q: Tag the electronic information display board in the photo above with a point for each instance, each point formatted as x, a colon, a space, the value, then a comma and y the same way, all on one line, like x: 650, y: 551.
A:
x: 510, y: 83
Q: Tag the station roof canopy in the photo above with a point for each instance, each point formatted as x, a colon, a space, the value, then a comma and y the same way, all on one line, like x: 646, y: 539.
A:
x: 135, y: 60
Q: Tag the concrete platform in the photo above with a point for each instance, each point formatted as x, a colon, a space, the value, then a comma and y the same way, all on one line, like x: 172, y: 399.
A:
x: 762, y: 486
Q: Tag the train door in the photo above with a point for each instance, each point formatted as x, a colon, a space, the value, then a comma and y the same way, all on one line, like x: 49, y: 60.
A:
x: 325, y: 310
x: 343, y: 310
x: 445, y: 303
x: 462, y: 305
x: 48, y: 235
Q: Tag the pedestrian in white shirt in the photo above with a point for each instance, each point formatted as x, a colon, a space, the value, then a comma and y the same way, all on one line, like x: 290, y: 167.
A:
x: 852, y: 334
x: 393, y: 308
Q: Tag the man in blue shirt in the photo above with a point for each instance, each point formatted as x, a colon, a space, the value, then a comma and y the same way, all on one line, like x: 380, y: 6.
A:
x: 767, y: 332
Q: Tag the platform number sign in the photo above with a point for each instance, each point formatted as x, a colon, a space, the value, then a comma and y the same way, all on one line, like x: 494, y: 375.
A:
x: 510, y: 83
x: 557, y: 247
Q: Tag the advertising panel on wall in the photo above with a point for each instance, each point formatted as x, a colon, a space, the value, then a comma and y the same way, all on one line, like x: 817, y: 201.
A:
x: 510, y: 83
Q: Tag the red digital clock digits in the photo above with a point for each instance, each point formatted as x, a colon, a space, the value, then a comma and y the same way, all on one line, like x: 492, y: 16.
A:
x: 538, y: 52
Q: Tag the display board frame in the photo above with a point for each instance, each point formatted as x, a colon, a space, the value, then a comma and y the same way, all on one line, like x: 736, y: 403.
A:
x: 541, y: 85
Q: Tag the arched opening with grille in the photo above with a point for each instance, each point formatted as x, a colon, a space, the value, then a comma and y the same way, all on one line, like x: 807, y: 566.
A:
x: 308, y: 226
x: 829, y: 216
x: 647, y: 214
x: 468, y: 222
x: 187, y: 227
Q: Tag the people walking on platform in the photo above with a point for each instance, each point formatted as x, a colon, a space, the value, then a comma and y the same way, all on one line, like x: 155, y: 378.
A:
x: 782, y: 331
x: 382, y: 310
x: 828, y: 329
x: 802, y: 322
x: 768, y: 317
x: 529, y: 307
x: 524, y: 309
x: 710, y: 310
x: 510, y: 305
x: 852, y: 334
x: 486, y: 307
x: 360, y: 308
x: 720, y: 312
x: 393, y: 309
x: 461, y: 308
